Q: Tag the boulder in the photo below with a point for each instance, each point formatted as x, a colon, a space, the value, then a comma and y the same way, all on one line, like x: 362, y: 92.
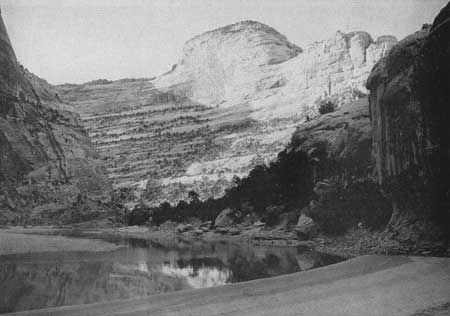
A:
x: 234, y: 231
x: 259, y: 224
x: 288, y: 219
x: 227, y: 231
x: 182, y: 228
x: 221, y: 230
x: 306, y: 228
x: 225, y: 218
x: 197, y: 232
x: 206, y: 224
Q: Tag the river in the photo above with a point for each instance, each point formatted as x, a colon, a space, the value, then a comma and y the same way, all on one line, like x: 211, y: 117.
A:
x: 139, y: 268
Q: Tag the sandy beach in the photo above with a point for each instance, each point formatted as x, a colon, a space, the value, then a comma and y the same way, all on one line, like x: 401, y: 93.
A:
x: 14, y: 242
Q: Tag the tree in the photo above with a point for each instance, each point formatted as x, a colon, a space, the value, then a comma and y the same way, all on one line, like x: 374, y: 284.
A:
x: 193, y: 197
x: 236, y: 180
x: 326, y: 106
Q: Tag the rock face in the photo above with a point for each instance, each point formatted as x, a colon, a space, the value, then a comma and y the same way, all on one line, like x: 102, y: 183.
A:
x: 249, y: 63
x: 182, y: 228
x: 216, y: 65
x: 224, y: 219
x: 306, y: 228
x: 409, y: 98
x: 339, y: 143
x: 230, y: 103
x: 49, y: 171
x: 338, y: 146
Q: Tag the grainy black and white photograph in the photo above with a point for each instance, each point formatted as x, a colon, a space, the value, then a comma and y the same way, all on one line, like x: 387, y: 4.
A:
x: 232, y: 158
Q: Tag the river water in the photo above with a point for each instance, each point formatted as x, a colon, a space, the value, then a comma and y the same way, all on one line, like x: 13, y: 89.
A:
x: 140, y: 268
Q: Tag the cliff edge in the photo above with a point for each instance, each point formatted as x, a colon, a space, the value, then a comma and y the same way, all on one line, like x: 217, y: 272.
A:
x: 409, y: 106
x: 49, y: 170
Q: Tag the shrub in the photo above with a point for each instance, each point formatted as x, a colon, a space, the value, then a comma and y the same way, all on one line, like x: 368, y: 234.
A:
x: 287, y: 182
x: 272, y: 214
x: 343, y: 208
x: 138, y: 216
x: 326, y: 106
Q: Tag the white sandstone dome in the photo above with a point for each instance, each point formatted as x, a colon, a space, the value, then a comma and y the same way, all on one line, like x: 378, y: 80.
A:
x: 217, y: 63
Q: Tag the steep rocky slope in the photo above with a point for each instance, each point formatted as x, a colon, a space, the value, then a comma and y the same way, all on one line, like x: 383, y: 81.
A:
x: 49, y: 171
x: 338, y: 146
x: 231, y: 102
x: 339, y: 143
x: 409, y: 104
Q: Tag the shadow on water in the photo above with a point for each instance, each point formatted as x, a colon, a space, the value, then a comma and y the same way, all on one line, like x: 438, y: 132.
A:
x: 140, y: 268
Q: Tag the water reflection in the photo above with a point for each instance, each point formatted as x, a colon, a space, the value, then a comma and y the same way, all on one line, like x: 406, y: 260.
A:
x: 198, y: 275
x: 139, y: 269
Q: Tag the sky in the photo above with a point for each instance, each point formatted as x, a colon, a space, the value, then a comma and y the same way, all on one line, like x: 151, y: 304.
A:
x: 74, y: 41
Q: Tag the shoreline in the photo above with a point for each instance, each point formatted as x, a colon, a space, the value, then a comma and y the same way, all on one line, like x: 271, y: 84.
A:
x: 344, y: 246
x: 14, y: 242
x: 356, y: 242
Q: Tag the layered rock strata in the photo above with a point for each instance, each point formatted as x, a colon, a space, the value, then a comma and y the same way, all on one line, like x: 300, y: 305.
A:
x: 230, y: 103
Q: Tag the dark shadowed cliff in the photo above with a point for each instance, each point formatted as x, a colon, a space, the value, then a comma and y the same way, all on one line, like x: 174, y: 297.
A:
x: 49, y: 171
x: 409, y: 105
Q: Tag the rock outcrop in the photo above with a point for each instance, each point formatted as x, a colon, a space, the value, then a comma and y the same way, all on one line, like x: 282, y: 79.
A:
x: 230, y: 103
x: 49, y: 170
x: 249, y: 63
x: 339, y: 143
x: 339, y: 146
x: 409, y: 105
x: 306, y: 228
x: 216, y: 65
x: 226, y: 218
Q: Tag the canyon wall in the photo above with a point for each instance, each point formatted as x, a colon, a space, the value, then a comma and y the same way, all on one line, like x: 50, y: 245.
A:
x: 377, y: 162
x: 230, y: 103
x: 49, y: 170
x: 338, y: 144
x: 338, y: 148
x: 251, y: 64
x: 409, y: 106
